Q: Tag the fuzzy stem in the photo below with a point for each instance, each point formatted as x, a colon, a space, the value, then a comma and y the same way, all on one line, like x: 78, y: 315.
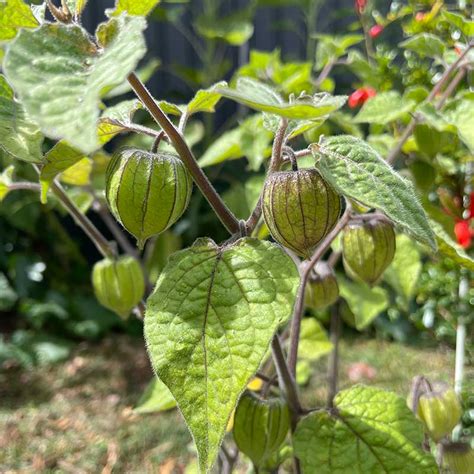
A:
x: 333, y: 366
x: 223, y: 212
x: 305, y: 271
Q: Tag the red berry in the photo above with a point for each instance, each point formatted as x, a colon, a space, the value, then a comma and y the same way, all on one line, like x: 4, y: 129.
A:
x: 375, y: 31
x: 361, y: 95
x: 420, y: 16
x: 463, y: 233
x: 360, y: 5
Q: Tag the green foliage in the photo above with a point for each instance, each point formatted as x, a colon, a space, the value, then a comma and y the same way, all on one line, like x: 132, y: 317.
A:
x: 208, y: 326
x: 15, y: 14
x: 357, y: 171
x: 70, y: 63
x: 384, y: 108
x: 20, y: 136
x: 370, y: 430
x: 425, y: 44
x: 156, y: 398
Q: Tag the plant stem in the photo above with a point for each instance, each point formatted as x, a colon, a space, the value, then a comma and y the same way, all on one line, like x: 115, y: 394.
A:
x: 275, y: 163
x: 393, y: 154
x: 286, y: 380
x: 24, y: 185
x: 105, y: 247
x: 305, y: 272
x: 333, y: 366
x: 225, y: 215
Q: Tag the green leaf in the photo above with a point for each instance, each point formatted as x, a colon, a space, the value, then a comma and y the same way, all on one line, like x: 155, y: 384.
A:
x: 366, y: 303
x: 116, y: 119
x: 76, y: 6
x: 57, y: 160
x: 465, y: 25
x: 205, y: 100
x: 15, y: 14
x: 425, y: 44
x: 155, y: 398
x: 451, y: 249
x: 405, y: 269
x: 250, y: 139
x: 331, y: 48
x: 384, y: 108
x: 369, y: 431
x: 8, y: 296
x: 208, y: 326
x: 434, y: 118
x: 60, y: 76
x: 235, y: 29
x: 463, y: 118
x: 143, y: 73
x: 134, y: 7
x: 357, y: 171
x: 258, y: 96
x: 314, y: 342
x: 5, y: 181
x: 20, y: 137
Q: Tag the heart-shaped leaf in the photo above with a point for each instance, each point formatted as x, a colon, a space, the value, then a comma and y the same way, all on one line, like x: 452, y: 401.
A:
x: 369, y: 430
x: 208, y: 326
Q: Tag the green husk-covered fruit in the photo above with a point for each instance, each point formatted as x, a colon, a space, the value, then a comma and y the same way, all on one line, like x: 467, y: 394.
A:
x: 459, y: 457
x: 260, y: 428
x: 300, y: 208
x: 322, y: 289
x: 368, y: 248
x: 147, y: 192
x: 118, y: 284
x: 439, y: 410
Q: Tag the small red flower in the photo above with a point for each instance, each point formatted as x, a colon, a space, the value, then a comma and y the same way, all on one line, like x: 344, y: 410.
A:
x: 463, y: 233
x: 420, y: 16
x: 360, y: 5
x: 359, y: 96
x: 458, y: 50
x: 375, y: 31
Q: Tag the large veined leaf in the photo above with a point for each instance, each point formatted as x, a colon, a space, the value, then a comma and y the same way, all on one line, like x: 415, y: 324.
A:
x: 384, y: 108
x: 209, y: 323
x: 259, y: 96
x: 405, y: 269
x: 365, y: 303
x: 15, y: 14
x: 59, y: 75
x: 357, y: 171
x: 451, y: 249
x: 369, y: 431
x: 425, y: 44
x: 20, y: 137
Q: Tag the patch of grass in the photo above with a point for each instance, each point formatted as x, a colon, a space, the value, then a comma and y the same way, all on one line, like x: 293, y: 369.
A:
x: 78, y: 416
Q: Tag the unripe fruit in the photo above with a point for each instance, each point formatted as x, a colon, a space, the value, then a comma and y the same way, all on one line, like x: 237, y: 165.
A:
x: 368, y: 248
x: 260, y: 427
x: 440, y: 411
x: 299, y: 208
x: 147, y: 192
x: 459, y: 457
x: 118, y: 284
x: 322, y: 289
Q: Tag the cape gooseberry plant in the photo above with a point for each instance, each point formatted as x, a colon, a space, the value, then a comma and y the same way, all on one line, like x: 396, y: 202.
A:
x: 222, y: 313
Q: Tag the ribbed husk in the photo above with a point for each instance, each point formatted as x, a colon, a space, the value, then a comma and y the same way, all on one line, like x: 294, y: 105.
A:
x: 322, y: 289
x: 147, y: 192
x: 459, y: 457
x: 260, y: 427
x: 440, y: 411
x: 118, y: 284
x: 368, y: 248
x: 300, y: 208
